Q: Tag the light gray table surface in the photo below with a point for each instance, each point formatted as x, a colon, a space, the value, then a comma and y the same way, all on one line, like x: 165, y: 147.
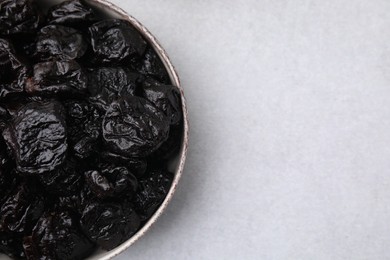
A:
x: 290, y: 129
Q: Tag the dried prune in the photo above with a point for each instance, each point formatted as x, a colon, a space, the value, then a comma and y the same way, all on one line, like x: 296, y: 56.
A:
x: 86, y: 147
x: 57, y: 78
x: 21, y: 209
x: 71, y: 203
x: 66, y: 180
x: 57, y: 236
x: 133, y: 127
x: 108, y: 84
x: 111, y: 181
x: 71, y: 13
x: 164, y: 97
x: 89, y: 121
x: 60, y: 42
x: 115, y: 40
x: 84, y: 118
x: 152, y: 66
x: 37, y: 137
x: 9, y: 61
x: 152, y: 190
x: 136, y: 165
x: 18, y: 16
x: 84, y: 128
x: 109, y: 224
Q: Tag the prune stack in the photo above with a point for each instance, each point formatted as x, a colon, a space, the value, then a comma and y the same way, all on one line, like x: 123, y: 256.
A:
x: 88, y: 123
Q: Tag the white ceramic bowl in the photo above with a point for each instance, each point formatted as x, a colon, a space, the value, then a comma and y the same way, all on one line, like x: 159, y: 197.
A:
x: 177, y: 164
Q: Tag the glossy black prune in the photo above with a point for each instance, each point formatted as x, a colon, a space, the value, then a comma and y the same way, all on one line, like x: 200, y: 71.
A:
x: 84, y: 128
x: 111, y: 181
x: 89, y: 122
x: 107, y: 84
x: 72, y: 13
x: 71, y: 203
x: 18, y: 16
x: 136, y: 165
x: 9, y: 61
x: 133, y: 127
x: 57, y: 236
x: 37, y: 137
x: 109, y: 224
x: 22, y: 208
x: 164, y: 97
x: 152, y: 190
x: 66, y: 180
x: 57, y: 78
x: 152, y: 66
x: 114, y: 41
x: 60, y: 42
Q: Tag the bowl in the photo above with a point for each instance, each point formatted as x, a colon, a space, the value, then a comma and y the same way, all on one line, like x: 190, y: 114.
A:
x: 177, y: 164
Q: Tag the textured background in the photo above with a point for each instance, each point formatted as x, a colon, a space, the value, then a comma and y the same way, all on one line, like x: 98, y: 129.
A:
x: 290, y: 129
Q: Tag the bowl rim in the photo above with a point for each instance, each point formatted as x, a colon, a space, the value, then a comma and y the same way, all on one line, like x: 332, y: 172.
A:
x: 185, y: 142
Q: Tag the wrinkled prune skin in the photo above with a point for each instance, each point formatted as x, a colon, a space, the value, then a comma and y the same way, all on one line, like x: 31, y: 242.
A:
x: 22, y: 208
x: 89, y: 121
x: 84, y: 116
x: 37, y: 137
x: 57, y: 236
x: 152, y: 190
x: 60, y: 42
x: 66, y: 180
x: 152, y: 66
x: 84, y: 122
x: 109, y: 224
x: 164, y: 97
x: 9, y: 62
x: 18, y: 17
x: 73, y: 13
x: 133, y: 127
x: 114, y: 41
x: 111, y: 181
x: 57, y: 78
x: 71, y: 203
x: 107, y: 84
x: 136, y: 165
